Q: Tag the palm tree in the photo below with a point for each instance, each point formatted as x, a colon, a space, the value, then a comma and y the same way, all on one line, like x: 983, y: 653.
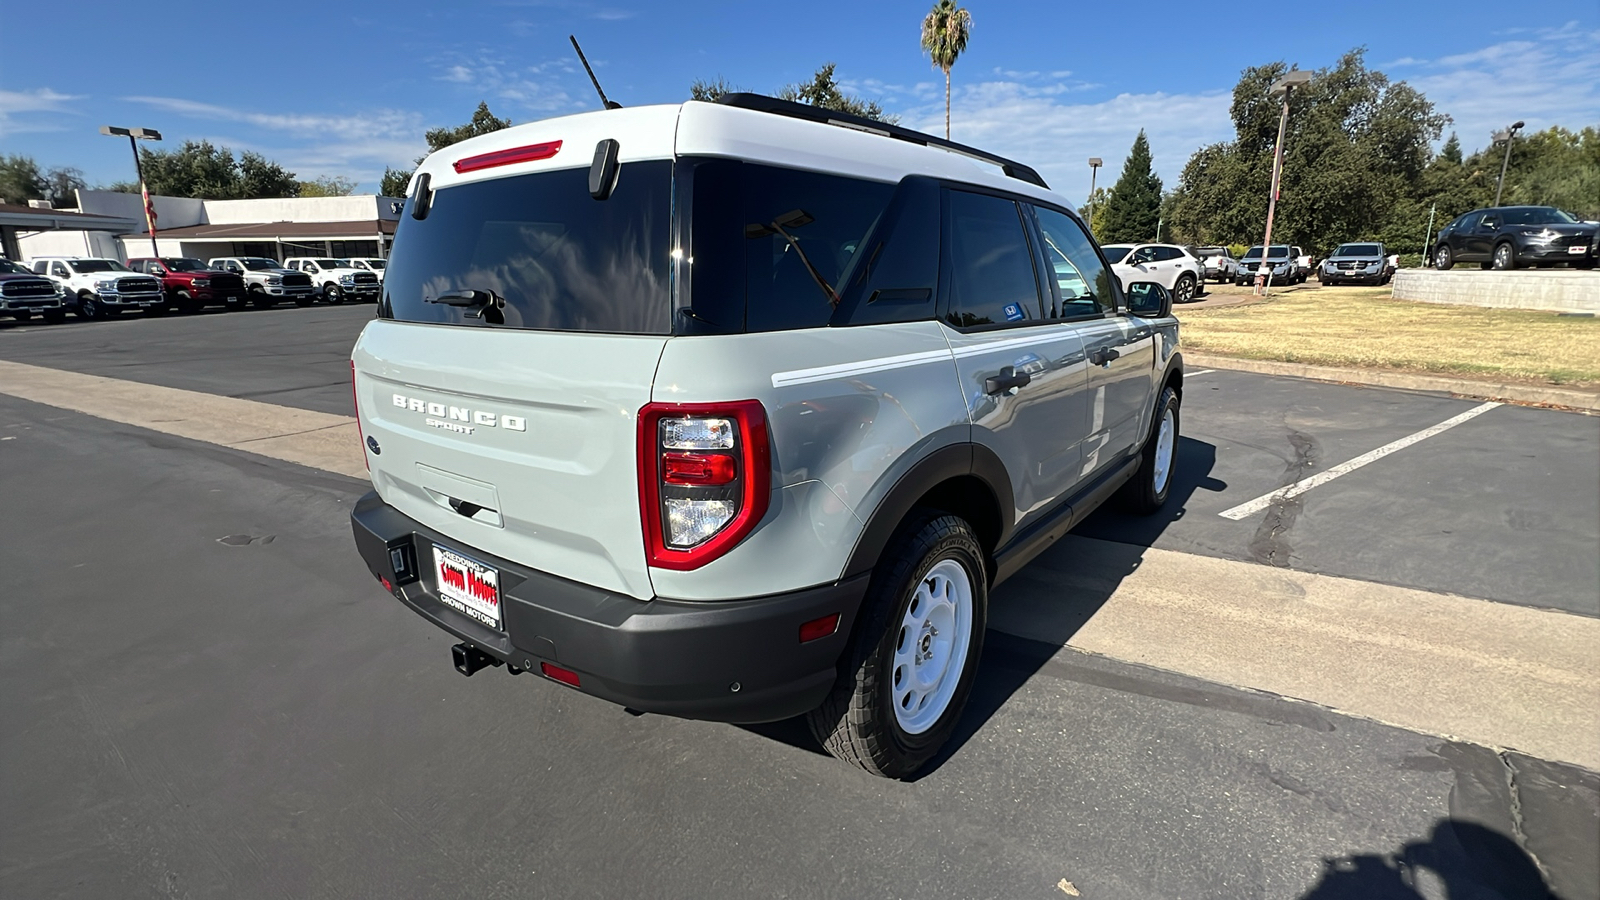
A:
x: 944, y: 36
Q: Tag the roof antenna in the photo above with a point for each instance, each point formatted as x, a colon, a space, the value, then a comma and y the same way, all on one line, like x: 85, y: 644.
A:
x: 608, y: 104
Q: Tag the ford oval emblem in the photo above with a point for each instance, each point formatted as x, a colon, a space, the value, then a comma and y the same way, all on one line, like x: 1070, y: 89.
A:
x: 372, y: 444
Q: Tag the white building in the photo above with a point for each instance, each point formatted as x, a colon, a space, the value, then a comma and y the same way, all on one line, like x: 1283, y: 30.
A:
x: 359, y: 225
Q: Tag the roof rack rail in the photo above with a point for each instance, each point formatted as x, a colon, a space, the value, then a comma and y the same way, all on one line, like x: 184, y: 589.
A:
x: 763, y: 103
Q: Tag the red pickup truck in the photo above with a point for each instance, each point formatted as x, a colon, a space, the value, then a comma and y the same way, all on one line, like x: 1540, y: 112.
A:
x: 190, y: 284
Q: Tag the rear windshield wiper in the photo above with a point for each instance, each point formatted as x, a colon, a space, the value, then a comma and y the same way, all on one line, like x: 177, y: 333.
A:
x: 477, y: 301
x: 794, y: 218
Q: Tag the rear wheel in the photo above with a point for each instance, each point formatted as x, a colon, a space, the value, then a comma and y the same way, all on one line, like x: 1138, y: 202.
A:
x: 906, y: 678
x: 1148, y: 489
x: 1505, y: 256
x: 1443, y: 259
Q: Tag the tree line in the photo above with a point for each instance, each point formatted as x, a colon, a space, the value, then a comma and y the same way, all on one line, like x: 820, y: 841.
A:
x: 195, y: 169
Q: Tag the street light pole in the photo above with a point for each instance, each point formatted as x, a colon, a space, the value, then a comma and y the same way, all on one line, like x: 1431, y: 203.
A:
x: 134, y: 135
x: 1284, y: 86
x: 1094, y: 169
x: 1510, y: 134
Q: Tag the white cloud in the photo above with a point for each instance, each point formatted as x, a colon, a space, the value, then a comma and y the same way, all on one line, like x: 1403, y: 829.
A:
x: 1553, y: 79
x: 537, y: 88
x: 1029, y: 123
x: 18, y: 110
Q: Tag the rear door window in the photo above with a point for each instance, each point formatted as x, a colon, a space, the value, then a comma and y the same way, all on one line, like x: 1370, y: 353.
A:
x: 537, y: 251
x: 989, y: 277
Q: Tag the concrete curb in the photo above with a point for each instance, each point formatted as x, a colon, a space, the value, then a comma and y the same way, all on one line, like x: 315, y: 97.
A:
x: 1587, y: 401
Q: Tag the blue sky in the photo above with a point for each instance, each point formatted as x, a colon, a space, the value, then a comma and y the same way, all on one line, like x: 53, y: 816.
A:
x: 345, y: 88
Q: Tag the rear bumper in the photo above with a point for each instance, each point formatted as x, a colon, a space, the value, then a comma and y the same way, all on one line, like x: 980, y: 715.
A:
x: 731, y: 661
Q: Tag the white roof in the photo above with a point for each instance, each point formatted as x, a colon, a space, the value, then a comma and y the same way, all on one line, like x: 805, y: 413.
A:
x: 696, y: 128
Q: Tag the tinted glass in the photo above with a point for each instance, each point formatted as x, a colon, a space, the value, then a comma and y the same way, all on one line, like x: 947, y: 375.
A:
x: 1082, y: 284
x: 989, y: 271
x: 259, y: 263
x: 1358, y: 250
x: 772, y: 247
x: 184, y: 264
x: 1116, y: 252
x: 86, y: 266
x: 897, y: 276
x: 12, y: 268
x: 554, y: 257
x: 1537, y: 215
x: 1167, y: 254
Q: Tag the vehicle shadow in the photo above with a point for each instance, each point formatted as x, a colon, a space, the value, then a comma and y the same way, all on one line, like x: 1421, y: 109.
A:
x: 1458, y: 860
x: 1049, y: 600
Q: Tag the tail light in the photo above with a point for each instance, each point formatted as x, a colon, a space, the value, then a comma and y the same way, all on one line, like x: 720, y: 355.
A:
x: 705, y: 472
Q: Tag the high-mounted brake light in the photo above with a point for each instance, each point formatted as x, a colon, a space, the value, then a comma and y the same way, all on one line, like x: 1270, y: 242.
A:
x: 507, y: 157
x: 705, y: 472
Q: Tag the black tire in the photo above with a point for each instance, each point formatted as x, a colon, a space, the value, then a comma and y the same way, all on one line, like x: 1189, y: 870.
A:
x: 1443, y: 259
x: 333, y: 294
x: 305, y: 301
x: 857, y: 722
x: 54, y: 316
x: 262, y: 300
x: 1183, y: 289
x: 186, y: 303
x: 89, y: 307
x: 1505, y: 256
x: 1147, y: 490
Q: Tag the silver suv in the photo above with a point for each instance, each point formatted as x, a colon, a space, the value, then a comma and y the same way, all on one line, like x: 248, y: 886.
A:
x: 739, y: 410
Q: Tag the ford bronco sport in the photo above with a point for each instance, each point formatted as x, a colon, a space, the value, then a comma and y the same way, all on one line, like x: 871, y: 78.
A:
x: 739, y: 410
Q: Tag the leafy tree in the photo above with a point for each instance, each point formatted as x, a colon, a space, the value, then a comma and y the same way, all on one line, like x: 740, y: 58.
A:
x: 63, y: 184
x: 195, y: 169
x: 21, y: 180
x: 824, y: 92
x: 482, y: 122
x: 394, y: 182
x: 945, y: 31
x: 1134, y: 208
x: 709, y: 91
x: 261, y: 177
x: 1091, y: 209
x: 328, y: 186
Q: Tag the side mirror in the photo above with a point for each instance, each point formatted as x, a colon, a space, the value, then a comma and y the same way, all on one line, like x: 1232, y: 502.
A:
x: 1149, y: 300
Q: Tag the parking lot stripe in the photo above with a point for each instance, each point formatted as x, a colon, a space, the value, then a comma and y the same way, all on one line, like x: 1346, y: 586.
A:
x: 1289, y: 492
x: 1201, y: 372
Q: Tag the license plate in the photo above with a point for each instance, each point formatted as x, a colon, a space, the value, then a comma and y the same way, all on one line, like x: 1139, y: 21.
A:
x: 468, y: 586
x: 1575, y: 251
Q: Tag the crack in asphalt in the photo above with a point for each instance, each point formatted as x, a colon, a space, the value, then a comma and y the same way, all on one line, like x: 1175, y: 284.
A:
x: 1270, y: 544
x: 1518, y: 827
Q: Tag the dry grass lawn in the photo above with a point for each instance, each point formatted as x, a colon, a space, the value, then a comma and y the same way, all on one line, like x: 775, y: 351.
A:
x: 1365, y: 327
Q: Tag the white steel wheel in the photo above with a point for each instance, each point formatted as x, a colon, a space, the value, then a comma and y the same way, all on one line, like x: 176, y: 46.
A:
x: 931, y: 652
x: 1166, y: 439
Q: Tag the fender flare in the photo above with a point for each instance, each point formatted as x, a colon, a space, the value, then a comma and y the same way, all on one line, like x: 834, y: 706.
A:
x: 951, y: 461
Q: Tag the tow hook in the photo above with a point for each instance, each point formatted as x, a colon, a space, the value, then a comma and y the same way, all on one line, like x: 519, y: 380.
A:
x: 470, y: 659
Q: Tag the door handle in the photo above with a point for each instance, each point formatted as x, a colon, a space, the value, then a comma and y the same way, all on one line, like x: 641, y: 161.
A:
x: 1102, y: 356
x: 1007, y: 379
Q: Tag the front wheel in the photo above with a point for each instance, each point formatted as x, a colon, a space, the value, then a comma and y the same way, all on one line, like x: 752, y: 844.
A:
x: 1148, y: 489
x: 1443, y: 259
x: 89, y: 307
x: 1505, y: 256
x: 906, y: 678
x: 333, y: 294
x: 1183, y: 290
x: 55, y: 316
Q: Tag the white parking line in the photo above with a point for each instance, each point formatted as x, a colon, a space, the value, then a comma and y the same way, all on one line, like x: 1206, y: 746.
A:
x: 1201, y: 372
x: 1306, y: 484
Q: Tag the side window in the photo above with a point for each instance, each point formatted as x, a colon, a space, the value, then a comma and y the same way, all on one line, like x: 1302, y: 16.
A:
x: 1489, y: 220
x: 899, y: 271
x: 1167, y: 254
x: 989, y: 274
x: 1082, y: 284
x: 1144, y: 255
x: 60, y: 270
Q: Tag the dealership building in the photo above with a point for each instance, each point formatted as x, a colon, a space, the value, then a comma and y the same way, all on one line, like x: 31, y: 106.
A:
x: 111, y: 224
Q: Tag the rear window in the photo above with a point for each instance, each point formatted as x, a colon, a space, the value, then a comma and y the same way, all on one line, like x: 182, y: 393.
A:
x: 551, y: 256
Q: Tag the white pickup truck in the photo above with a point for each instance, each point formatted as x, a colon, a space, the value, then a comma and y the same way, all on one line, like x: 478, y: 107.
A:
x: 100, y: 288
x: 266, y: 281
x: 336, y: 279
x: 373, y: 264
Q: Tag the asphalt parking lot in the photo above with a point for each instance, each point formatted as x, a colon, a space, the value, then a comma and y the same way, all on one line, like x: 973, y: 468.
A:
x: 210, y: 696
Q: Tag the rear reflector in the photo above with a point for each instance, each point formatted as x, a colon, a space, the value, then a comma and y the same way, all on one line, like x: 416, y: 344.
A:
x: 556, y: 673
x: 507, y: 157
x: 817, y: 629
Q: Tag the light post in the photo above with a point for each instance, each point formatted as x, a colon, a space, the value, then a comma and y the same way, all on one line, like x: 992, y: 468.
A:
x: 1282, y: 87
x: 134, y: 135
x: 1509, y: 135
x: 1094, y: 169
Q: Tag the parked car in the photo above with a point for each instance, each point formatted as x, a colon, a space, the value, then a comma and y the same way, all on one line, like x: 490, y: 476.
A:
x: 336, y: 279
x: 101, y: 288
x: 1509, y: 237
x: 24, y: 294
x: 266, y: 281
x: 373, y: 264
x: 1304, y: 264
x: 1362, y: 262
x: 1281, y: 266
x: 1168, y: 265
x: 785, y: 487
x: 191, y: 284
x: 1217, y: 263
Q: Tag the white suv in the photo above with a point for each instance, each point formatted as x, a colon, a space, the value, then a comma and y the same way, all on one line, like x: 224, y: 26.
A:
x: 738, y: 410
x: 102, y: 288
x: 337, y: 280
x: 1168, y: 265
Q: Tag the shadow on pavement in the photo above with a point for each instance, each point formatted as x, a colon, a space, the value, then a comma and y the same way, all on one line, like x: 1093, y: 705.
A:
x: 1009, y: 660
x: 1459, y: 860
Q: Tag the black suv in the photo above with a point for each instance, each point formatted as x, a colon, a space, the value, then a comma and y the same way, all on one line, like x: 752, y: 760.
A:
x: 1507, y: 237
